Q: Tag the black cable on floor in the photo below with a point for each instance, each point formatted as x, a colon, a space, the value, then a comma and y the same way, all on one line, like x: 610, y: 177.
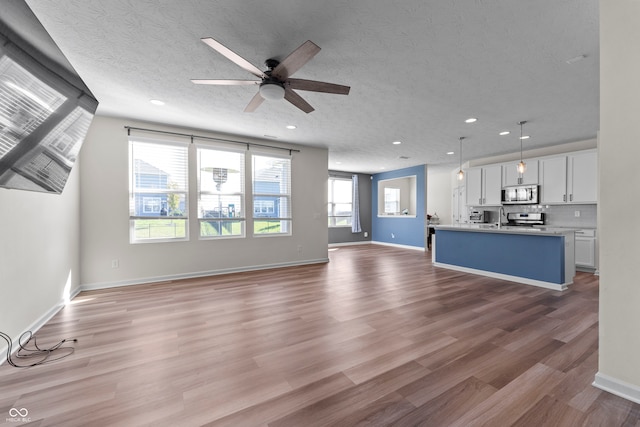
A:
x: 45, y: 354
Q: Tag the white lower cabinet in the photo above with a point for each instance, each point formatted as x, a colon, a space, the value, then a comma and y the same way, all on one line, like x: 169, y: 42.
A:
x: 586, y: 248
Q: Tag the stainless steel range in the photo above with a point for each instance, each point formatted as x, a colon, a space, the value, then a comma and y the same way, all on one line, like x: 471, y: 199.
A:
x: 525, y: 218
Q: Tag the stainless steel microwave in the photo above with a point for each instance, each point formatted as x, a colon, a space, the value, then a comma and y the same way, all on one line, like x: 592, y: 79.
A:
x: 520, y: 195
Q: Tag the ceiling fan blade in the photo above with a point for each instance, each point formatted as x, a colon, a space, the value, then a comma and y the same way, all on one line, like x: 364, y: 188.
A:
x: 314, y: 86
x: 225, y: 82
x: 234, y: 57
x: 295, y: 60
x: 297, y: 100
x: 254, y: 103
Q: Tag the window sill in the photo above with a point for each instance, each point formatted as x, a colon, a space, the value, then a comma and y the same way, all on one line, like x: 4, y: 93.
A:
x: 396, y: 216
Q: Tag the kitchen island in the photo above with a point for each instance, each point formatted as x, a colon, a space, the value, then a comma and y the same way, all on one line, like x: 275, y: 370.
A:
x: 539, y: 256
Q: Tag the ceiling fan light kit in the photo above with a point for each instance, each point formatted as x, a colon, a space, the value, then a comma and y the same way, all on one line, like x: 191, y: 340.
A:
x: 275, y: 83
x: 272, y: 91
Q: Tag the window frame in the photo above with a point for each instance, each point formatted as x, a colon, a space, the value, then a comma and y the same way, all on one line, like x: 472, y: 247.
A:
x: 183, y: 219
x: 287, y: 221
x: 242, y: 194
x: 395, y: 200
x: 332, y: 217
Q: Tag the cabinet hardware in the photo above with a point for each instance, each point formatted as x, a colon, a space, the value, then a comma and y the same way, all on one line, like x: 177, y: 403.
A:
x: 564, y: 197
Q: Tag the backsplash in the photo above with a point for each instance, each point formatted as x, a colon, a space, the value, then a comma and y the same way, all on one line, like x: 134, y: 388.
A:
x: 555, y: 215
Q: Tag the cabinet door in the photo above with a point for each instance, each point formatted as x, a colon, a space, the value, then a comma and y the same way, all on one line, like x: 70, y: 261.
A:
x: 582, y: 185
x: 455, y: 206
x: 492, y: 185
x: 530, y: 176
x: 553, y: 177
x: 458, y: 207
x: 474, y: 186
x: 585, y: 251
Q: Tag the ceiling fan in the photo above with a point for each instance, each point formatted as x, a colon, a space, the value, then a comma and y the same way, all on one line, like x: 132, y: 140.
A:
x: 276, y: 82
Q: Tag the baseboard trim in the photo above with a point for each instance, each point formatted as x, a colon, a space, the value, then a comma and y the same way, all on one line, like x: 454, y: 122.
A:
x: 365, y: 242
x: 615, y: 386
x: 532, y: 282
x: 395, y: 245
x: 168, y: 278
x: 35, y: 326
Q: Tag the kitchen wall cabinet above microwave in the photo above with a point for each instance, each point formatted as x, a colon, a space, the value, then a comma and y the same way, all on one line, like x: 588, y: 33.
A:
x: 510, y: 173
x: 569, y: 179
x: 484, y: 185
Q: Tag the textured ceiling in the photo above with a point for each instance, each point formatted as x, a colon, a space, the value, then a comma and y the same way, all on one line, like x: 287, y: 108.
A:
x: 417, y: 69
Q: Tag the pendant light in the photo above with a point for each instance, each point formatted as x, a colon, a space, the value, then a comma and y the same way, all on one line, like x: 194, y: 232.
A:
x: 460, y: 172
x: 522, y: 166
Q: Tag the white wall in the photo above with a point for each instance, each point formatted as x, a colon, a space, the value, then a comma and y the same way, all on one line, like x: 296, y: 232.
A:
x: 105, y: 224
x: 619, y: 151
x: 39, y: 253
x: 439, y: 193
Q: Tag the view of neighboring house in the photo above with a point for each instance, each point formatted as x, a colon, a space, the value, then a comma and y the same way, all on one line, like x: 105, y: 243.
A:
x: 148, y: 176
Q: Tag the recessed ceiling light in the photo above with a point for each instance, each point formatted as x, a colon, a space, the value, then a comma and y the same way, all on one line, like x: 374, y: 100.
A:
x: 291, y: 126
x: 156, y: 102
x: 450, y: 152
x: 471, y: 120
x: 397, y: 142
x: 524, y: 137
x: 382, y: 167
x: 504, y: 132
x: 338, y: 163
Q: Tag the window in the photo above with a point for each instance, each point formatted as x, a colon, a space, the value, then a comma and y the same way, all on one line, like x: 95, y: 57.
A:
x: 151, y: 205
x: 271, y: 191
x: 391, y: 200
x: 340, y: 202
x: 264, y: 207
x: 220, y: 193
x: 158, y: 202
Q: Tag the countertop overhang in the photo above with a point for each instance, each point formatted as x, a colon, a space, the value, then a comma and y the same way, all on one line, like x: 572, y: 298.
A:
x: 508, y: 229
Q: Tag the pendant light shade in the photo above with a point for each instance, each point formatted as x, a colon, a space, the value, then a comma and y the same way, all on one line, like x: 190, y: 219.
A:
x: 460, y: 172
x: 522, y: 166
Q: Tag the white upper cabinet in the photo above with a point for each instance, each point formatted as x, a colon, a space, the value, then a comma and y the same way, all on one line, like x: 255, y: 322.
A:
x: 484, y: 185
x: 473, y: 185
x: 492, y: 176
x: 570, y: 179
x: 582, y: 182
x: 553, y: 180
x: 510, y: 173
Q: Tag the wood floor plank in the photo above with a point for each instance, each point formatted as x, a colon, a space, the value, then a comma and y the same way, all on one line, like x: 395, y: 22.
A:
x: 550, y: 412
x: 450, y: 405
x: 378, y: 336
x: 511, y: 402
x: 340, y: 405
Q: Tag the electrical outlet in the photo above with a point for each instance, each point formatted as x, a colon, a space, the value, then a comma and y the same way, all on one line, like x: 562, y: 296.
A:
x: 393, y: 236
x: 366, y: 234
x: 577, y: 214
x: 115, y: 263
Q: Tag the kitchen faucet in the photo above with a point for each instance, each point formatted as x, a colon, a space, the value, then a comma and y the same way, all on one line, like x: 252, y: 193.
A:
x: 500, y: 215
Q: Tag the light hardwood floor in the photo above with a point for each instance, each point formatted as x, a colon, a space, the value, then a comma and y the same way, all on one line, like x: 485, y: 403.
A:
x: 376, y: 337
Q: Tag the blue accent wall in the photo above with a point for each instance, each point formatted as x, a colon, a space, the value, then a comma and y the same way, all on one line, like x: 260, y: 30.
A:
x: 530, y: 256
x: 406, y: 231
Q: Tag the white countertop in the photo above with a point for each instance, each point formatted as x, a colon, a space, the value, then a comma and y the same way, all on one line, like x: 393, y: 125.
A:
x: 508, y: 229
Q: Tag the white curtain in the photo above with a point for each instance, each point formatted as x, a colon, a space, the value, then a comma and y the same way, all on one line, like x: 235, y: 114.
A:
x: 355, y: 207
